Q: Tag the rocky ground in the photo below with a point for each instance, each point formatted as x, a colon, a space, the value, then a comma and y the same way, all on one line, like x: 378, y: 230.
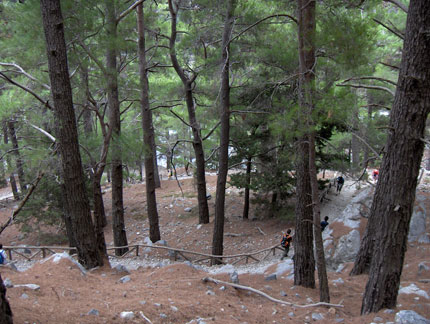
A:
x: 152, y: 288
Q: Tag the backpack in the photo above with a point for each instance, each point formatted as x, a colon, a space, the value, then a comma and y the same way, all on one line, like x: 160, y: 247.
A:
x: 285, y: 240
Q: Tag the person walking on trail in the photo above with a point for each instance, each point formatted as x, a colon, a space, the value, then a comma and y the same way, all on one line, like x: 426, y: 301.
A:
x: 286, y: 242
x: 2, y: 255
x: 324, y: 224
x: 340, y: 181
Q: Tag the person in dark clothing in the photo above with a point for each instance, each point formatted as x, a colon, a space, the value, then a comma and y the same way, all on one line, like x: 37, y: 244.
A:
x: 286, y: 242
x: 340, y: 181
x: 324, y: 224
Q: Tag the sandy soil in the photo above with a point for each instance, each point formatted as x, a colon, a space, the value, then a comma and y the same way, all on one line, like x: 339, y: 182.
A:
x: 175, y: 292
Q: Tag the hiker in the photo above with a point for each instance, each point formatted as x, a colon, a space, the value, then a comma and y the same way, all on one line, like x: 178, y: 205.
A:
x: 340, y: 181
x: 2, y: 255
x: 324, y: 224
x: 375, y: 175
x: 169, y: 174
x: 286, y: 242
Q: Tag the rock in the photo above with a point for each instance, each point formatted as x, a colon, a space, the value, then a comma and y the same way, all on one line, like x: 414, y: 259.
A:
x: 162, y: 315
x: 234, y: 277
x: 57, y: 257
x: 389, y: 311
x: 317, y: 316
x: 94, y: 312
x: 174, y: 308
x: 338, y: 281
x: 24, y: 296
x: 417, y: 226
x: 188, y: 209
x: 199, y: 226
x: 8, y: 283
x: 347, y: 247
x: 410, y: 317
x: 161, y: 242
x: 423, y: 267
x: 29, y: 286
x: 291, y: 314
x: 210, y: 293
x: 332, y: 310
x: 124, y: 279
x: 270, y: 277
x: 126, y: 315
x: 283, y: 293
x: 413, y: 289
x: 339, y: 320
x: 121, y: 269
x: 378, y: 319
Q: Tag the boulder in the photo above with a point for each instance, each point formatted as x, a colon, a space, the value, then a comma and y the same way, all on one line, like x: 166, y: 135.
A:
x: 410, y: 317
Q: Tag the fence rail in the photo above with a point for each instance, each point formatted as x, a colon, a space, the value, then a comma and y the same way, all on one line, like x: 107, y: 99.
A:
x: 31, y: 252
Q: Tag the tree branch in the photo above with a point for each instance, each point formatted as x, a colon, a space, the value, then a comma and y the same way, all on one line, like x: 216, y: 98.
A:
x: 398, y: 34
x: 258, y: 292
x: 398, y: 4
x: 364, y: 86
x: 46, y: 103
x: 180, y: 118
x: 211, y: 131
x: 260, y: 21
x: 127, y: 11
x: 22, y: 71
x: 376, y: 105
x: 23, y: 202
x: 370, y: 78
x: 394, y: 67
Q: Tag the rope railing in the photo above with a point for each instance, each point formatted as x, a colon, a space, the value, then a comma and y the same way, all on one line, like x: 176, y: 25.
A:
x: 43, y: 251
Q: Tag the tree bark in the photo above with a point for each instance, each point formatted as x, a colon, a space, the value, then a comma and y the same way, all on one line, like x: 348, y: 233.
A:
x: 15, y: 146
x: 304, y: 262
x: 67, y: 135
x: 197, y: 140
x: 247, y: 186
x: 148, y: 132
x: 395, y: 192
x: 6, y: 316
x: 118, y: 224
x: 224, y: 111
x: 306, y: 38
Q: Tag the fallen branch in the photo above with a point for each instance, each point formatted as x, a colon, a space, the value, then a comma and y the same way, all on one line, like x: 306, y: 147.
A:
x: 21, y: 205
x: 424, y: 280
x: 258, y: 292
x: 261, y: 231
x: 144, y: 317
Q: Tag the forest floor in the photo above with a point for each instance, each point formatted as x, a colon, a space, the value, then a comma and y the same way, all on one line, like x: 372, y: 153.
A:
x: 173, y: 292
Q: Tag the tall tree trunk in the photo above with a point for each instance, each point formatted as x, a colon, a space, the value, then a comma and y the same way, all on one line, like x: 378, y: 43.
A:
x: 118, y: 224
x: 100, y: 220
x: 322, y: 271
x: 6, y: 316
x: 304, y: 262
x: 224, y: 111
x: 67, y: 135
x: 247, y: 186
x: 12, y: 180
x: 306, y: 37
x: 197, y: 140
x: 148, y: 132
x: 70, y: 232
x: 395, y: 192
x: 19, y: 166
